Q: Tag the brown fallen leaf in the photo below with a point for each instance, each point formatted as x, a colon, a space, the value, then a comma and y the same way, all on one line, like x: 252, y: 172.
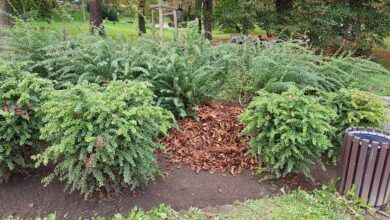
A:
x: 213, y: 143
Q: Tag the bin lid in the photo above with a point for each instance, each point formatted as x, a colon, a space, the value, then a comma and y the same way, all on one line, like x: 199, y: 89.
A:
x: 371, y: 136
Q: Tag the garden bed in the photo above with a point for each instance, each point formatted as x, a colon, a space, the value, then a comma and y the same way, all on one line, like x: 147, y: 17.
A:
x: 202, y: 182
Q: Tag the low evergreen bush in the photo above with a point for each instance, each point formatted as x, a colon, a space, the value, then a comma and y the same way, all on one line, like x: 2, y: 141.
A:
x: 289, y: 132
x: 354, y: 108
x: 184, y: 76
x: 27, y: 43
x: 20, y: 99
x: 102, y: 138
x: 185, y: 73
x: 276, y: 67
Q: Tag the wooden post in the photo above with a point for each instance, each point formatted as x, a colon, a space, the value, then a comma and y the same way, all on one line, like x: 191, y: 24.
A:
x: 161, y: 23
x: 175, y: 21
x: 153, y: 25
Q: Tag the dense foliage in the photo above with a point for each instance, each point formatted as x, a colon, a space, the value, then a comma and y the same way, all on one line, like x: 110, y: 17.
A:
x: 289, y: 131
x: 357, y: 25
x: 42, y: 8
x: 183, y: 76
x: 26, y: 43
x: 276, y: 67
x: 20, y: 99
x: 85, y: 58
x: 102, y: 138
x: 355, y: 108
x: 236, y: 15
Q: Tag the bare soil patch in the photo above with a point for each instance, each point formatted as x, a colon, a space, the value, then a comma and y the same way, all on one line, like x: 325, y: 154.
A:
x: 181, y: 188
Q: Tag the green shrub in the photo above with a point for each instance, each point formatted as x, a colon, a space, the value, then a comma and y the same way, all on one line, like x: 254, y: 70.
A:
x: 103, y: 138
x: 84, y: 58
x: 280, y: 66
x: 27, y: 44
x: 20, y: 99
x: 289, y: 132
x: 184, y: 76
x: 355, y: 108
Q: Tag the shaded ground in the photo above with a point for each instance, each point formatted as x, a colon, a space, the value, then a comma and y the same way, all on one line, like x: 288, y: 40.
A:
x: 181, y: 188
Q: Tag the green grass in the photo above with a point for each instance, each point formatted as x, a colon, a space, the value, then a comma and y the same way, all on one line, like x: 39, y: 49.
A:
x: 121, y: 29
x: 126, y: 27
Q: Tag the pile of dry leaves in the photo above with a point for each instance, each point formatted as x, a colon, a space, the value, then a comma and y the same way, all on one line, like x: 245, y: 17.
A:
x: 213, y: 143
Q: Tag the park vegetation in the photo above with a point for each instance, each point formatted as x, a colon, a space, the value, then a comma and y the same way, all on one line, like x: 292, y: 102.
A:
x: 95, y: 106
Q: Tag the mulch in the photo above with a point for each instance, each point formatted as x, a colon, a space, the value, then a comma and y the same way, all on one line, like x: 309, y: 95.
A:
x: 212, y: 143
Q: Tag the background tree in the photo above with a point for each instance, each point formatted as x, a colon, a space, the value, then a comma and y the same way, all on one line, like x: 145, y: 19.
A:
x: 208, y: 18
x: 96, y: 16
x: 198, y: 13
x: 5, y: 18
x: 237, y: 15
x: 141, y: 17
x: 352, y: 24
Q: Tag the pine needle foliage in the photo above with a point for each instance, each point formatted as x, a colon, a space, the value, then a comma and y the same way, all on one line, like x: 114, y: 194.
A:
x: 84, y: 58
x: 27, y: 44
x: 188, y: 72
x: 184, y: 76
x: 102, y: 138
x: 289, y: 131
x: 355, y: 108
x: 20, y: 99
x: 276, y: 67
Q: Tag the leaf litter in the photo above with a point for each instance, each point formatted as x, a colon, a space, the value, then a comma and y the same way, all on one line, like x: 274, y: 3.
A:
x: 213, y: 143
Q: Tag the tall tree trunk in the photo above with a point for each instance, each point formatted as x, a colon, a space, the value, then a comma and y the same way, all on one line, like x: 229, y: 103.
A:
x: 198, y: 13
x: 283, y: 6
x: 5, y: 16
x: 83, y: 8
x: 141, y: 17
x: 208, y: 19
x: 96, y: 17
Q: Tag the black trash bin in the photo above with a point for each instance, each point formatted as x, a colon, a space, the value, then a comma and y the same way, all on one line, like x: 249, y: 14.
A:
x: 366, y: 164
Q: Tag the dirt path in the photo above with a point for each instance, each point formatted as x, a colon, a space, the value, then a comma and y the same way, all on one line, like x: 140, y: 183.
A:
x: 181, y: 188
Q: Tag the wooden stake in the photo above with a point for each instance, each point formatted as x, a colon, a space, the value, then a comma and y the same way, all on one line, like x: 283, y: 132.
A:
x: 153, y: 25
x: 161, y: 23
x: 175, y: 21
